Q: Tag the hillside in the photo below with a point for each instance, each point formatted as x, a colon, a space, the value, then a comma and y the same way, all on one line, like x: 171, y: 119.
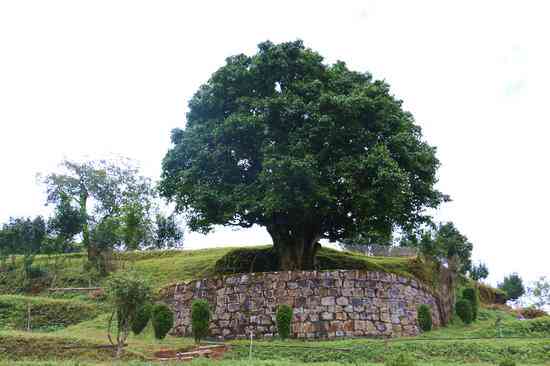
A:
x: 166, y: 267
x: 69, y: 326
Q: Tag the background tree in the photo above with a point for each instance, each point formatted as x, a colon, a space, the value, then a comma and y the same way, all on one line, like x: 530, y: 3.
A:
x: 479, y: 272
x: 167, y: 232
x: 63, y: 226
x: 540, y: 292
x: 513, y: 286
x: 100, y: 189
x: 305, y: 149
x: 443, y: 243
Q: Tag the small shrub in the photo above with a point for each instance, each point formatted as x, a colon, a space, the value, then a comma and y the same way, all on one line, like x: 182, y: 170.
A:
x: 532, y: 313
x: 200, y: 319
x: 471, y: 295
x: 284, y: 319
x: 141, y: 319
x: 507, y: 362
x: 464, y: 310
x: 425, y: 318
x: 162, y: 319
x: 401, y: 359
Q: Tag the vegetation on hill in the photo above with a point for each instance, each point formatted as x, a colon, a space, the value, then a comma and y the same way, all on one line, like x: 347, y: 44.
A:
x: 46, y: 314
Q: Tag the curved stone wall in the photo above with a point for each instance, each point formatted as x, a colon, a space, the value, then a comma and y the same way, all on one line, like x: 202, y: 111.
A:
x: 327, y: 304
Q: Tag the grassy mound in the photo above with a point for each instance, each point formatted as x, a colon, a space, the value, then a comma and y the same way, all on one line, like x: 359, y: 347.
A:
x: 264, y: 259
x: 46, y: 314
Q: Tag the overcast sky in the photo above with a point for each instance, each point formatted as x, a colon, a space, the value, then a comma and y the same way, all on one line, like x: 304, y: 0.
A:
x: 89, y: 78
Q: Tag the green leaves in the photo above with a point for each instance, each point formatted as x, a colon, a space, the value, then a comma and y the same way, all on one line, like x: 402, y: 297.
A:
x: 280, y: 134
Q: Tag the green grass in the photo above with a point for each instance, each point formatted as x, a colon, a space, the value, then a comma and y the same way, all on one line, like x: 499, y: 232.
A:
x: 84, y: 321
x: 167, y: 267
x: 45, y: 313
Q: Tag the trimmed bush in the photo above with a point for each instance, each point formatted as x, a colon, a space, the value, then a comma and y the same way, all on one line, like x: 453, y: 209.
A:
x: 425, y: 318
x: 464, y: 310
x: 200, y: 319
x: 471, y: 295
x: 143, y: 316
x: 284, y: 320
x: 162, y: 319
x: 401, y: 359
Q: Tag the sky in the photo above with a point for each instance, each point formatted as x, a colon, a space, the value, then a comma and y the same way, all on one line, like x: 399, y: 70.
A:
x: 93, y: 78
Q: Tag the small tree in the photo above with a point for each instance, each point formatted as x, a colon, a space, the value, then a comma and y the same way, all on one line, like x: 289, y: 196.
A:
x: 425, y: 318
x: 284, y: 320
x: 127, y: 293
x: 540, y: 292
x: 142, y: 318
x: 479, y: 272
x: 200, y: 319
x: 464, y: 310
x: 162, y: 319
x: 472, y: 296
x: 513, y: 286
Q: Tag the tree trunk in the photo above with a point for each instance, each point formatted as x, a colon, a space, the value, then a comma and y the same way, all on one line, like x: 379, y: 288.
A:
x: 296, y: 247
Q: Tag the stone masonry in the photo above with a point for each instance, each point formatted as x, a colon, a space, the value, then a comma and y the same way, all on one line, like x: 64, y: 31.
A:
x: 328, y: 304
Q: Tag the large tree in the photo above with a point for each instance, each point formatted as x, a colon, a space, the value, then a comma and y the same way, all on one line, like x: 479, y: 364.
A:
x: 305, y: 149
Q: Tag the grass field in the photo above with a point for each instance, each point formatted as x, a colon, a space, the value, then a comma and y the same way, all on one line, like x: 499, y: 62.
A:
x: 80, y: 323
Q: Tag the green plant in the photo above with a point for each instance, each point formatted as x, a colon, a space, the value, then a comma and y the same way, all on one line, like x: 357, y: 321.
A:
x: 425, y: 318
x: 305, y: 139
x: 142, y: 318
x: 532, y: 312
x: 507, y: 362
x: 284, y: 320
x: 162, y: 319
x: 464, y: 310
x: 513, y: 286
x: 200, y: 319
x: 127, y: 293
x: 400, y: 359
x: 471, y: 295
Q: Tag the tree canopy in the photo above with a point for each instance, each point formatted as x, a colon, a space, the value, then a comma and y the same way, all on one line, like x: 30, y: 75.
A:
x: 513, y: 286
x: 305, y: 149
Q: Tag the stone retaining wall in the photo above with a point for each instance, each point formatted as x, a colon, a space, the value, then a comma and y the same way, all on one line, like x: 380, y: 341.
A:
x: 327, y: 304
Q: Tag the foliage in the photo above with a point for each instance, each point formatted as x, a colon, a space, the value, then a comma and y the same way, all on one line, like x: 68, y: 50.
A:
x: 472, y: 296
x: 162, y: 320
x: 479, y: 272
x: 490, y: 295
x: 540, y: 292
x: 167, y: 232
x: 200, y: 319
x: 66, y: 222
x: 400, y: 359
x: 142, y: 318
x: 513, y: 286
x: 425, y: 317
x: 46, y: 313
x: 110, y: 187
x: 307, y: 150
x: 284, y: 320
x: 532, y: 312
x: 464, y: 310
x: 444, y: 243
x: 127, y: 292
x: 507, y: 362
